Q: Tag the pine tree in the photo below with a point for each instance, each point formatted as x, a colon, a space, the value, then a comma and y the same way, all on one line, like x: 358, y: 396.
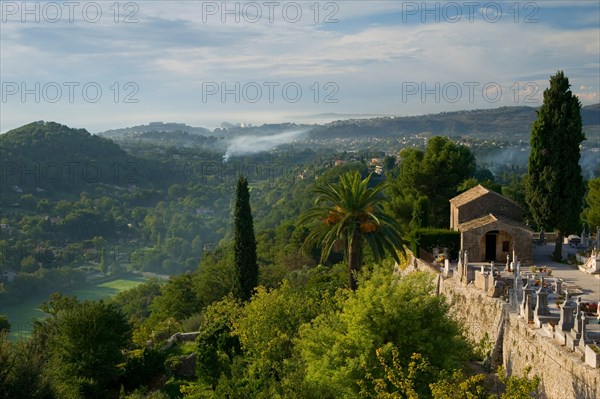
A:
x: 246, y: 266
x: 555, y: 186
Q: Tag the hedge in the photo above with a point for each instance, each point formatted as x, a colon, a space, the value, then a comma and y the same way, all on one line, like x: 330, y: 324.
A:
x: 429, y: 238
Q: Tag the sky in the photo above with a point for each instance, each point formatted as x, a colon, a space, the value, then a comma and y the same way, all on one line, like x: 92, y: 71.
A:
x: 108, y: 64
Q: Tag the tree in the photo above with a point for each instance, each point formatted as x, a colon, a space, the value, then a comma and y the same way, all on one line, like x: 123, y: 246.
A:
x: 351, y: 214
x: 519, y: 387
x: 268, y: 326
x: 434, y: 173
x: 6, y: 365
x: 420, y: 213
x: 178, y: 299
x: 217, y: 347
x: 86, y: 348
x: 4, y: 324
x: 555, y: 186
x: 460, y: 386
x: 591, y: 214
x: 384, y: 321
x: 246, y: 266
x: 389, y: 162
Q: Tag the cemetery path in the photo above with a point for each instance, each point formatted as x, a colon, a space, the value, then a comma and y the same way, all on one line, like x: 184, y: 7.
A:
x: 590, y: 285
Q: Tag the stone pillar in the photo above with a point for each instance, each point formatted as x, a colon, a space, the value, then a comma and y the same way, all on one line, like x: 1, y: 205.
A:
x: 459, y: 265
x: 526, y: 305
x: 507, y: 268
x: 541, y: 307
x: 465, y: 278
x: 446, y: 267
x: 518, y: 288
x: 583, y: 340
x: 566, y: 321
x: 528, y: 312
x: 557, y: 285
x: 578, y: 322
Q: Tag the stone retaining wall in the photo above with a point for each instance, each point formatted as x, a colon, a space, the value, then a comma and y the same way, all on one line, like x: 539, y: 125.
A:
x: 518, y: 345
x: 563, y: 374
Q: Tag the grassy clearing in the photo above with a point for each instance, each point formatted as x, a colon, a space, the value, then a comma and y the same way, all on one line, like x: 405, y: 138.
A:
x: 21, y: 316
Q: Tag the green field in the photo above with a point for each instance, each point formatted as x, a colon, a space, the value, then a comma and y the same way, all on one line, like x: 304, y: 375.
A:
x: 21, y: 315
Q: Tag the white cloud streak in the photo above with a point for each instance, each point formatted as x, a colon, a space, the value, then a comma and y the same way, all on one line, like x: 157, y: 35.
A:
x: 250, y: 144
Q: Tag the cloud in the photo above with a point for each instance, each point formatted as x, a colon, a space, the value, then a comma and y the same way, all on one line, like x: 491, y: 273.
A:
x: 251, y: 144
x: 369, y: 54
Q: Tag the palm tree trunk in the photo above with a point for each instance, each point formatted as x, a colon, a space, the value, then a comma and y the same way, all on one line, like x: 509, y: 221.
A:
x: 353, y: 262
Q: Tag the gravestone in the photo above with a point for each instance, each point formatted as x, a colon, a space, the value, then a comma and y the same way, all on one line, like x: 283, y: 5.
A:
x: 557, y: 285
x: 527, y: 299
x: 496, y: 290
x: 527, y: 308
x: 459, y: 265
x: 583, y: 341
x: 518, y: 286
x: 577, y: 326
x: 541, y: 307
x: 566, y: 321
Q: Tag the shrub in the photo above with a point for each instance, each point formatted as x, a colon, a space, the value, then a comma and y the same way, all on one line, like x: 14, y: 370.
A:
x: 429, y: 238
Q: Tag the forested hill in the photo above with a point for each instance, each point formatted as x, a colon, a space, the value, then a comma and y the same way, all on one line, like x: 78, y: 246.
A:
x: 156, y: 127
x: 507, y: 123
x: 45, y: 140
x: 48, y: 156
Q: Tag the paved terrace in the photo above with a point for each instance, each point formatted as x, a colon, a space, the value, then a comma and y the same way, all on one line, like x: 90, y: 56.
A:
x: 590, y: 285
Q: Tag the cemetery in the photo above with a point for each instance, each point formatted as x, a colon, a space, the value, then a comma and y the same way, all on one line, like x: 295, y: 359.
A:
x: 526, y: 317
x: 542, y: 316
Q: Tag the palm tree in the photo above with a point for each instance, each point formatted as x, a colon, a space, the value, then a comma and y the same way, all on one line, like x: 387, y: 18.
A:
x: 351, y: 214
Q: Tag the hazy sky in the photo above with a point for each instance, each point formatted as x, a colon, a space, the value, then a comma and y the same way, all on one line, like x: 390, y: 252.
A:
x: 108, y: 64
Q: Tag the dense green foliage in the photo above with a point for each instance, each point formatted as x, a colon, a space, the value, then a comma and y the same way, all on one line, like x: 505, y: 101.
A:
x: 244, y: 246
x: 591, y: 214
x: 339, y: 348
x: 302, y: 334
x: 350, y: 213
x: 86, y: 348
x: 430, y: 238
x: 555, y: 185
x: 436, y: 174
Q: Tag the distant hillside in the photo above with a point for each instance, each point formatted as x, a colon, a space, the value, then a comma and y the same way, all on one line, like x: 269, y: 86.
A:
x: 156, y: 127
x: 176, y: 138
x: 47, y: 157
x: 506, y: 123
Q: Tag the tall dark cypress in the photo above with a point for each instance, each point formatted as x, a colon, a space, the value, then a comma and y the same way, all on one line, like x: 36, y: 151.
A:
x: 555, y: 186
x: 246, y: 266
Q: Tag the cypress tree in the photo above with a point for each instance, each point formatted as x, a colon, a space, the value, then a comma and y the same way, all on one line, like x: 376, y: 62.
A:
x: 246, y: 266
x: 555, y: 188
